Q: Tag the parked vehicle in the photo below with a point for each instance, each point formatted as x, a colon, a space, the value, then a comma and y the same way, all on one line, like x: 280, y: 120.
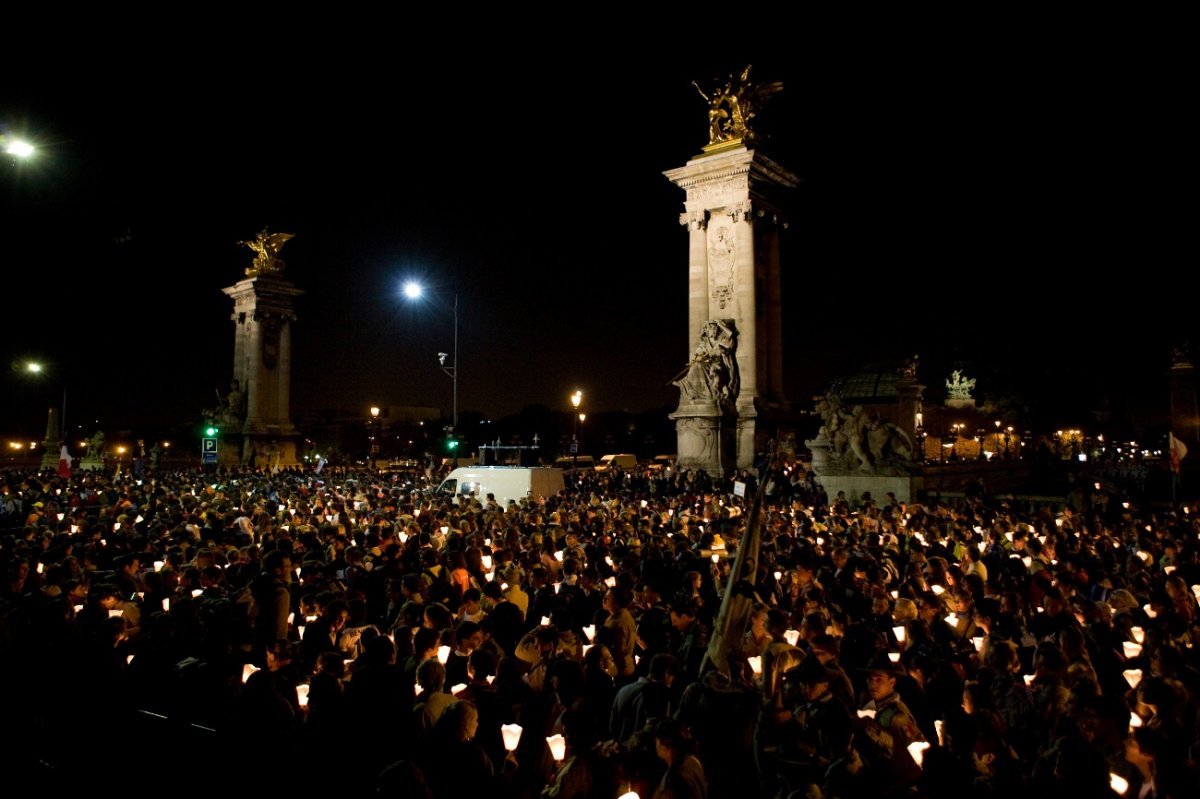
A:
x: 624, y: 460
x: 504, y: 482
x: 570, y: 462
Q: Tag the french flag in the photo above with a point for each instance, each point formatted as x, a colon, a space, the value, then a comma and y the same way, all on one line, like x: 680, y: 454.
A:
x: 64, y: 462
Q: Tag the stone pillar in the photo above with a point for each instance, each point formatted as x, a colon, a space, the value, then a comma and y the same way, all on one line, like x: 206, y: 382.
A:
x: 50, y: 443
x: 263, y: 310
x: 909, y: 393
x: 733, y: 273
x: 1184, y: 409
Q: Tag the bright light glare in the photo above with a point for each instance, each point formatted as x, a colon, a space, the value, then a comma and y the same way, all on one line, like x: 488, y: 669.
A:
x: 412, y: 290
x: 18, y: 148
x: 34, y: 367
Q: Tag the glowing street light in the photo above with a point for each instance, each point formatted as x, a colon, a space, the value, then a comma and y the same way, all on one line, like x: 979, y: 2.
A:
x: 17, y: 148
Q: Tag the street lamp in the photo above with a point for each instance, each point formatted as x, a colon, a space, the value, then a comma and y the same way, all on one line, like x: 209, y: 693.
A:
x: 414, y: 290
x: 36, y: 368
x: 576, y: 399
x: 375, y: 437
x: 17, y: 148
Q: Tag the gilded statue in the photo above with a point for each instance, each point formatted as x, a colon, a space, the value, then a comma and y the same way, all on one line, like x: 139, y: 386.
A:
x: 733, y: 106
x: 266, y: 246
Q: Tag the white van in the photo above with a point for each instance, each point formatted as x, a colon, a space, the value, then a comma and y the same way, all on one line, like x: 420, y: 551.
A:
x: 505, y: 482
x: 625, y: 461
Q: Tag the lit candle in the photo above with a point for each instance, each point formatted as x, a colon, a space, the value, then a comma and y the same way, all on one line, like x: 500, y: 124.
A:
x: 900, y: 632
x: 512, y: 736
x: 302, y: 694
x: 978, y: 641
x: 1118, y: 783
x: 791, y: 636
x: 458, y: 687
x: 1138, y: 634
x: 866, y: 713
x: 590, y: 631
x: 558, y: 747
x: 247, y: 670
x: 917, y: 750
x: 894, y: 657
x: 1132, y: 650
x: 755, y: 665
x: 1133, y: 677
x: 443, y: 654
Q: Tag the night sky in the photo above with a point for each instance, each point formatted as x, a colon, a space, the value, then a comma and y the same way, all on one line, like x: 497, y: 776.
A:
x: 1018, y: 211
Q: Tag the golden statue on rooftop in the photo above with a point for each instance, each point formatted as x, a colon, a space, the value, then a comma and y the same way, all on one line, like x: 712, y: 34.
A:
x: 266, y: 246
x: 732, y: 108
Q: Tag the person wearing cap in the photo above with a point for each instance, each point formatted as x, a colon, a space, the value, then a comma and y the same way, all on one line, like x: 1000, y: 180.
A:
x: 820, y: 729
x: 892, y: 728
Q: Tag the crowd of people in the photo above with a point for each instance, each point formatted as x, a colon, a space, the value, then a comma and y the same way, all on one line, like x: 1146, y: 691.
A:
x: 350, y: 633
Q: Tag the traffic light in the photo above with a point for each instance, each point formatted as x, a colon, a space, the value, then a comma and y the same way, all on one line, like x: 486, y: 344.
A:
x: 452, y: 444
x: 210, y: 431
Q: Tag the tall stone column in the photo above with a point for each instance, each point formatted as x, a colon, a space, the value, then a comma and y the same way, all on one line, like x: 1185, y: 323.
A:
x: 263, y: 310
x: 50, y: 444
x: 1184, y: 409
x: 733, y: 219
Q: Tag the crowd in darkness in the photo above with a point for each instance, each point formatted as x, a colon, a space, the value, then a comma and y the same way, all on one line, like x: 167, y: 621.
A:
x: 350, y: 634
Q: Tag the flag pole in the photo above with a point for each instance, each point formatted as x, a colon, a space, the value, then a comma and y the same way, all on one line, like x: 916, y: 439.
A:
x: 740, y: 597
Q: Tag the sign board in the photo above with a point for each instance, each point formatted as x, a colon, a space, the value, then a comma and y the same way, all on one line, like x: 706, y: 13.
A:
x: 208, y: 450
x: 574, y: 447
x: 739, y: 488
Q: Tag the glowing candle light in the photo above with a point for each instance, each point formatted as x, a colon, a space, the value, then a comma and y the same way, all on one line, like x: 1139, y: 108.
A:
x: 611, y: 582
x: 458, y: 688
x: 1133, y: 677
x: 937, y: 589
x: 115, y: 614
x: 247, y: 670
x: 900, y: 632
x: 1118, y: 783
x: 302, y: 694
x: 558, y: 747
x: 715, y: 557
x: 1132, y: 650
x: 778, y: 576
x: 1138, y: 634
x: 791, y: 636
x: 894, y: 657
x: 939, y: 725
x: 866, y: 713
x: 511, y: 733
x: 196, y: 592
x: 917, y: 750
x: 1028, y: 679
x: 590, y: 631
x: 486, y: 560
x: 978, y: 641
x: 1149, y: 611
x: 755, y: 665
x: 443, y: 654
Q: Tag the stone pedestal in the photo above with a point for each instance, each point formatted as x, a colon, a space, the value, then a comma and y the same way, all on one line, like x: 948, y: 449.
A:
x: 707, y: 439
x: 904, y: 486
x: 263, y: 310
x: 734, y: 223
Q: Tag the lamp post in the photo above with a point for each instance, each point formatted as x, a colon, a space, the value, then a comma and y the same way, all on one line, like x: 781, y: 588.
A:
x: 414, y: 290
x: 36, y: 368
x: 576, y: 399
x: 374, y: 437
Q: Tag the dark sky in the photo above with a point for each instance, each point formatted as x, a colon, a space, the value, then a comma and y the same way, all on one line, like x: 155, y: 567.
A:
x: 1019, y: 210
